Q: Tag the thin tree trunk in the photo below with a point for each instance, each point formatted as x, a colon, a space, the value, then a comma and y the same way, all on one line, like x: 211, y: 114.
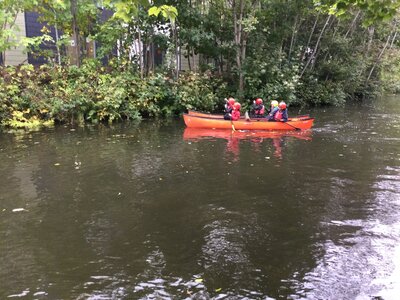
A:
x: 140, y: 46
x: 75, y: 32
x: 393, y: 39
x: 309, y: 38
x: 371, y: 31
x: 352, y: 24
x: 177, y: 52
x: 243, y: 57
x: 57, y: 46
x: 239, y: 42
x: 316, y: 45
x: 379, y: 57
x: 293, y: 37
x: 194, y: 61
x: 188, y: 58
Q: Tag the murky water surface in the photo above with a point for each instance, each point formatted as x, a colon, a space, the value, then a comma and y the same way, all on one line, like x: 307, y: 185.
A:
x: 154, y: 211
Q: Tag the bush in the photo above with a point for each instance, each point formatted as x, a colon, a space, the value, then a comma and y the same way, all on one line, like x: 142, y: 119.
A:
x: 93, y: 94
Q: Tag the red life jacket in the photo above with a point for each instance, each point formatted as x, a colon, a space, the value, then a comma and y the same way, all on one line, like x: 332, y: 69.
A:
x: 279, y: 115
x: 235, y: 115
x: 260, y: 111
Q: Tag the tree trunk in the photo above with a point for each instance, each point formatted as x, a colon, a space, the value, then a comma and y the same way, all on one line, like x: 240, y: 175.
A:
x: 316, y: 46
x: 188, y: 58
x: 177, y: 52
x: 237, y: 18
x: 194, y: 61
x: 75, y: 33
x: 379, y: 57
x: 371, y: 31
x: 352, y: 25
x: 293, y: 36
x: 309, y: 38
x: 140, y: 46
x: 57, y: 46
x: 393, y: 39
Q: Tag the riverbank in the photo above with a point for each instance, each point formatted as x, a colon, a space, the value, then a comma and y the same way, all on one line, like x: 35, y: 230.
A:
x: 42, y: 96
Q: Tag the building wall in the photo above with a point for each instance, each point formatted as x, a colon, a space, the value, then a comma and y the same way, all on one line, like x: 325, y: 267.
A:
x: 16, y: 55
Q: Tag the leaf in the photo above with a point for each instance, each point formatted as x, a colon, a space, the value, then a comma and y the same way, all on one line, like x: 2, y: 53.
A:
x: 198, y: 280
x: 154, y: 11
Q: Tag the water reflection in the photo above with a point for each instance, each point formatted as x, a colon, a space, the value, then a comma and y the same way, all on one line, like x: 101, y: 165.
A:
x: 255, y: 137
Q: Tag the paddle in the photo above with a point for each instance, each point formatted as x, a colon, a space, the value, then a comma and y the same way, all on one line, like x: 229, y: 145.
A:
x: 233, y: 127
x: 296, y: 128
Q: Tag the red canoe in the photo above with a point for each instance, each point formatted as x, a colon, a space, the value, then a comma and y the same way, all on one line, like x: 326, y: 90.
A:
x: 252, y: 124
x: 221, y: 116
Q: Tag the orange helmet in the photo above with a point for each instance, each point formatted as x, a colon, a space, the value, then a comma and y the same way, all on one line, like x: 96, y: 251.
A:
x: 282, y: 105
x: 259, y: 101
x: 231, y: 101
x: 237, y: 106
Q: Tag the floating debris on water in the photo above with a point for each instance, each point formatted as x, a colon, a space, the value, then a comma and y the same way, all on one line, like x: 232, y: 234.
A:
x: 18, y: 209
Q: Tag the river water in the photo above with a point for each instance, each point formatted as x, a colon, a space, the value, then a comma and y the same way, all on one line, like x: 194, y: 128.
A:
x: 157, y: 211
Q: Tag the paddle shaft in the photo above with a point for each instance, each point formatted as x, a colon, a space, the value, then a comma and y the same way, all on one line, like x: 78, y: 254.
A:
x: 296, y: 128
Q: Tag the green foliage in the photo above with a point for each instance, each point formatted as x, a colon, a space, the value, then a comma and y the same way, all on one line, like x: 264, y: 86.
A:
x: 390, y: 72
x: 195, y: 91
x: 313, y: 92
x: 168, y: 12
x: 374, y: 10
x: 94, y: 94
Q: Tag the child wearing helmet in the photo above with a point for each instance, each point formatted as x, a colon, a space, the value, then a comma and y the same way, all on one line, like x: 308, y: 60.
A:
x: 258, y: 108
x: 228, y: 108
x: 236, y: 112
x: 281, y: 115
x: 272, y: 111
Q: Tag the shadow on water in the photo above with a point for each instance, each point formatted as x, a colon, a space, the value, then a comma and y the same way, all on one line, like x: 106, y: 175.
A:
x: 157, y: 211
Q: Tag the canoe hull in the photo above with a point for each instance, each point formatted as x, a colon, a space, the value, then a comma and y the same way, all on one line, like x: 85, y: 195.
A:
x: 253, y: 124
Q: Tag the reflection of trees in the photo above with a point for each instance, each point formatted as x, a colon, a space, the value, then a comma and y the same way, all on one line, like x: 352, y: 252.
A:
x: 18, y: 261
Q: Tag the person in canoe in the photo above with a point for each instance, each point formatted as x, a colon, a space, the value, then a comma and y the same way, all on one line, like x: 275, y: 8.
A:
x: 228, y: 108
x: 281, y: 115
x: 236, y: 111
x: 257, y: 109
x: 272, y: 111
x: 235, y: 115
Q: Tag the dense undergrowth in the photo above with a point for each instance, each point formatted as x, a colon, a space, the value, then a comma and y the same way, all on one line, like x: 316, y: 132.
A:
x: 92, y: 93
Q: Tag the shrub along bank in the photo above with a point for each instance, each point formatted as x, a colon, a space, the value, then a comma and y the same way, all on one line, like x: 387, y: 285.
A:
x: 31, y: 96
